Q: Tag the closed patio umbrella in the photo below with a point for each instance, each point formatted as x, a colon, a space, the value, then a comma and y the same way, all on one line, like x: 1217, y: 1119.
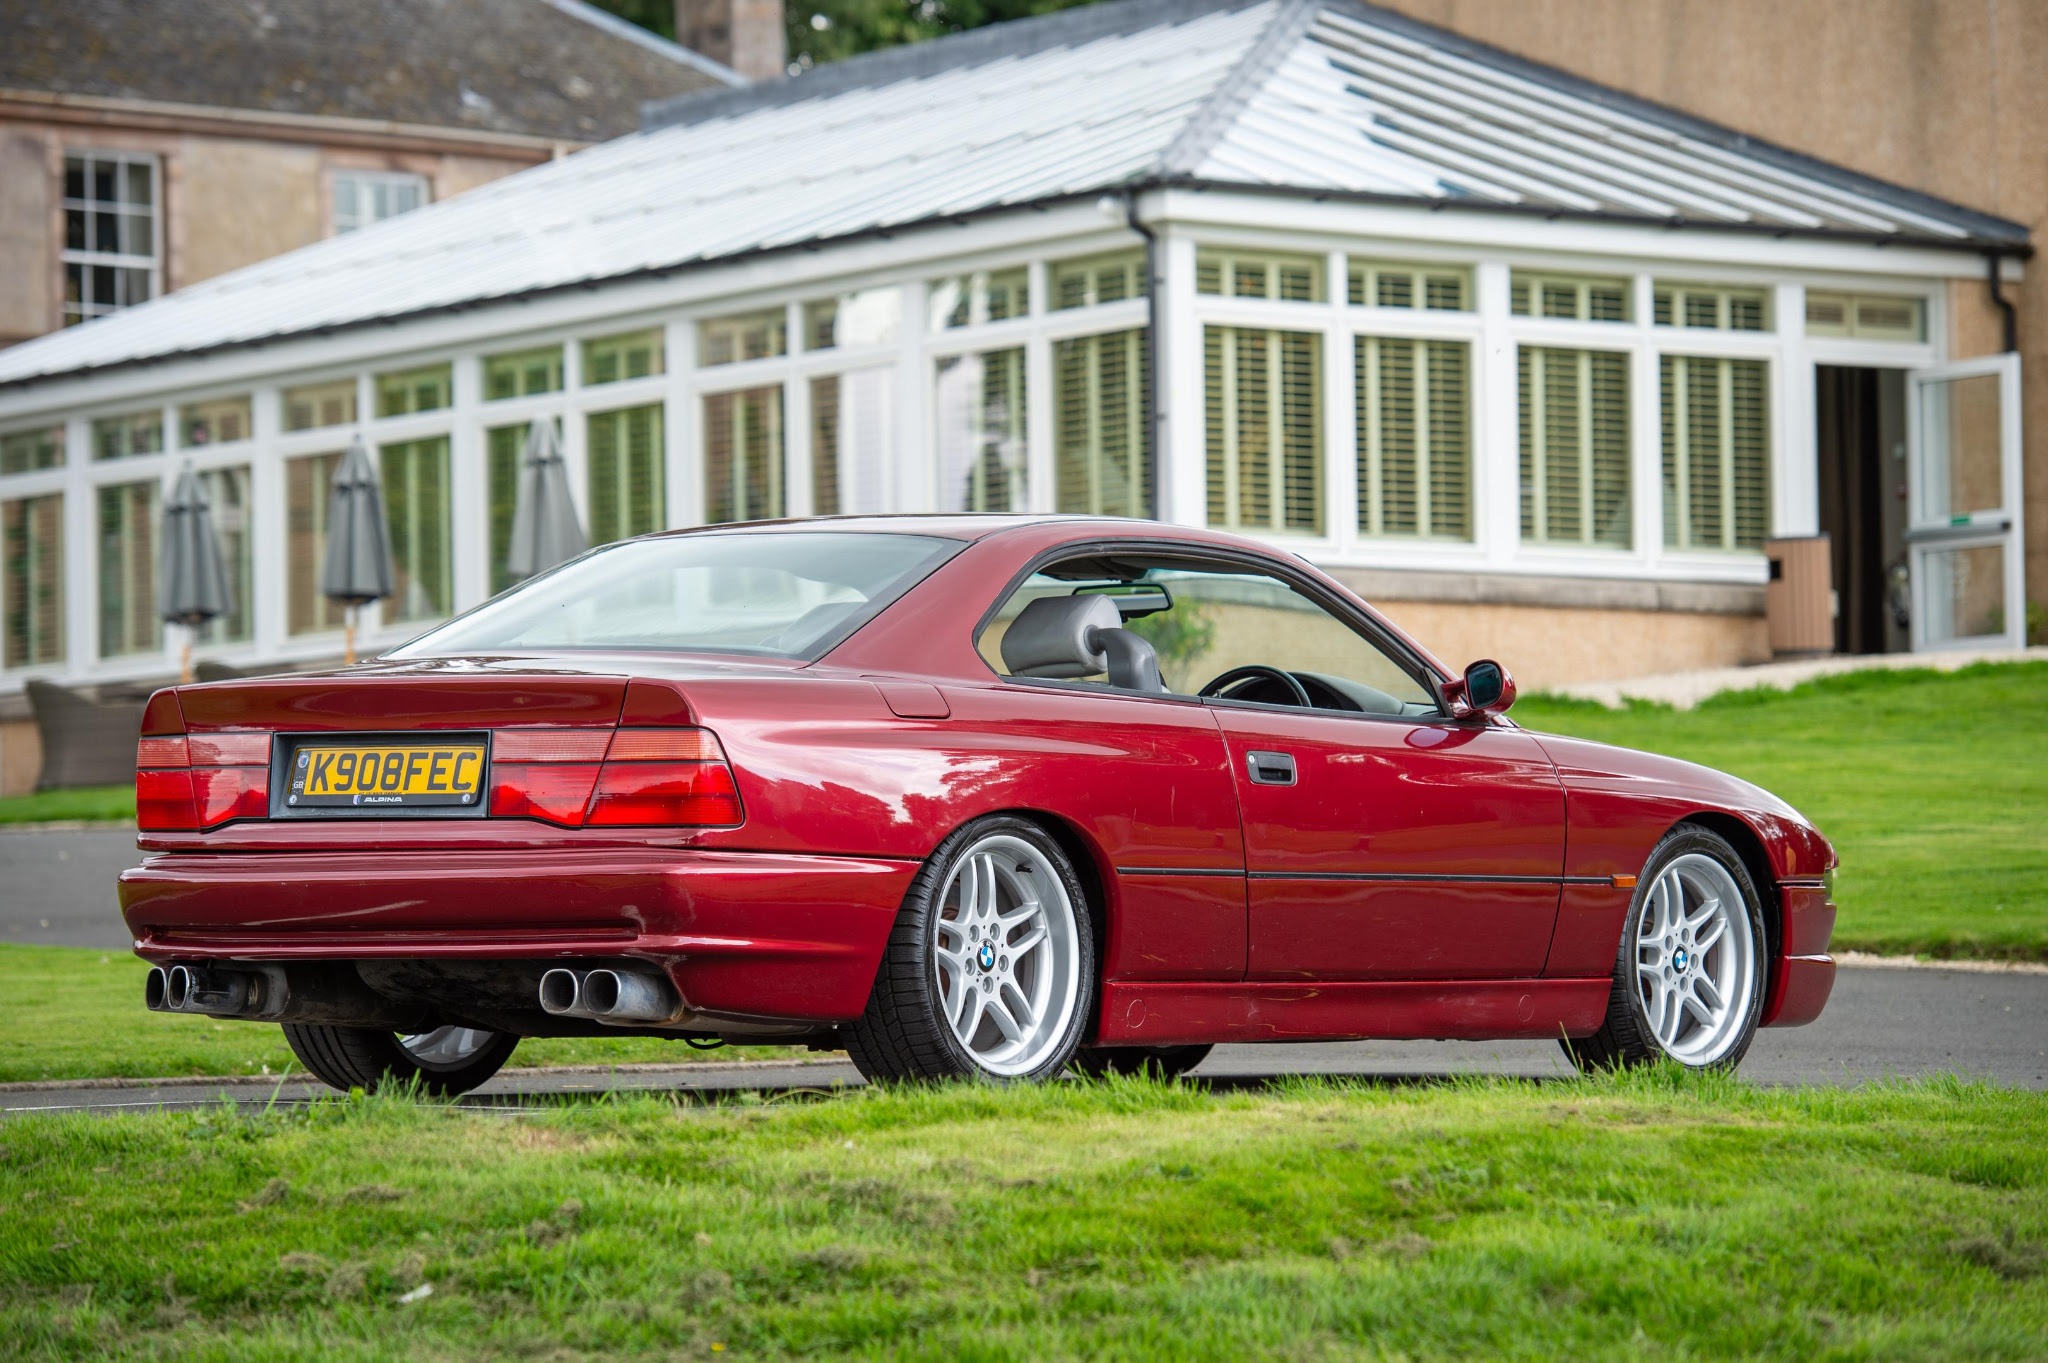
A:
x: 358, y: 568
x: 194, y: 574
x: 545, y: 530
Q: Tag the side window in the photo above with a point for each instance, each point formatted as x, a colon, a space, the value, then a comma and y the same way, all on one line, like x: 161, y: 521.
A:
x: 1202, y: 624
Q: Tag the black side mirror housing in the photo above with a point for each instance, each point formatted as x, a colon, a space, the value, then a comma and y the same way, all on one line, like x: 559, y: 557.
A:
x: 1485, y: 689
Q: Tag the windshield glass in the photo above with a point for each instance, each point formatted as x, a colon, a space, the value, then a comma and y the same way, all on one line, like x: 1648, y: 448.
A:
x: 777, y: 595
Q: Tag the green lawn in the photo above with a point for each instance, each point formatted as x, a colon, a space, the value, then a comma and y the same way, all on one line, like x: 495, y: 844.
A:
x: 1648, y: 1217
x: 75, y: 1013
x: 97, y: 804
x: 1932, y: 786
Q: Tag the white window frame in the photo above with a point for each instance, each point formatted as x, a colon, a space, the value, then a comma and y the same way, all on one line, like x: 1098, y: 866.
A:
x: 371, y: 180
x: 88, y: 257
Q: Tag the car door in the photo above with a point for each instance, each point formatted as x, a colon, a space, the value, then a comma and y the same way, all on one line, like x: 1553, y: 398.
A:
x: 1382, y: 840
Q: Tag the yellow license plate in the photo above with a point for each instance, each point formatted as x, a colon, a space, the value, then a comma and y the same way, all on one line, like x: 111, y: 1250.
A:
x: 404, y: 776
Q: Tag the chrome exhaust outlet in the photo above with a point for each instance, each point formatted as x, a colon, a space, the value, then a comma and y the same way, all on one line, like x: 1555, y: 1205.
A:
x: 153, y: 989
x: 561, y: 993
x: 624, y: 996
x: 218, y: 993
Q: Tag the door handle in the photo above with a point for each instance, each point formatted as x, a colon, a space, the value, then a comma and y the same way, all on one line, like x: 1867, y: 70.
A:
x: 1270, y: 768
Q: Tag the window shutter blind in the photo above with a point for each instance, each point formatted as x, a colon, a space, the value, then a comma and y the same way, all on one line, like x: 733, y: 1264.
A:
x: 306, y: 483
x: 626, y: 473
x: 415, y: 475
x: 1100, y: 462
x: 825, y: 445
x: 32, y: 575
x: 503, y: 447
x: 128, y: 617
x: 743, y: 453
x: 1262, y: 399
x: 1574, y: 408
x: 1413, y: 422
x: 227, y: 491
x: 1715, y: 422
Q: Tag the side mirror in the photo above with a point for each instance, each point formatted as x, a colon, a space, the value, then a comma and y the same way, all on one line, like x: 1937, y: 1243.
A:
x: 1485, y: 689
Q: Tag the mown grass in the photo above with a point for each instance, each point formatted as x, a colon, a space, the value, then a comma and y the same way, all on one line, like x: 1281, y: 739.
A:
x: 93, y: 804
x: 76, y: 1013
x: 1932, y: 786
x: 1647, y: 1217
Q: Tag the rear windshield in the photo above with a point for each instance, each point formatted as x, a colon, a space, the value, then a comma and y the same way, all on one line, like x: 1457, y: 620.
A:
x: 781, y: 595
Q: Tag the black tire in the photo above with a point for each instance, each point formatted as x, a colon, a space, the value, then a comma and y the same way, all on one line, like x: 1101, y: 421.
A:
x: 1627, y: 1036
x: 904, y: 1033
x: 369, y: 1059
x: 1159, y: 1062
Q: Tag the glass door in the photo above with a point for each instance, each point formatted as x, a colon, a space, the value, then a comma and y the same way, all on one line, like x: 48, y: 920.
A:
x: 1963, y: 534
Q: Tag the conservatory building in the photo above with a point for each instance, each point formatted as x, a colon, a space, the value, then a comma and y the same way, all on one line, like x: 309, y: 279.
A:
x: 1538, y: 368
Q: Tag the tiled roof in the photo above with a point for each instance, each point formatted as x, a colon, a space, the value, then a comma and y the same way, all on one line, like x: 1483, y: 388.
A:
x: 545, y: 68
x: 1326, y: 97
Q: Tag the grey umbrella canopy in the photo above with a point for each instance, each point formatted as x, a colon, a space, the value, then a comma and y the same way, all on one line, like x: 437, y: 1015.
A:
x: 545, y: 530
x: 193, y: 576
x: 358, y: 568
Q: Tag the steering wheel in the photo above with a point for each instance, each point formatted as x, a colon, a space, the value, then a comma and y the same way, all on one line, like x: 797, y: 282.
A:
x: 1218, y: 685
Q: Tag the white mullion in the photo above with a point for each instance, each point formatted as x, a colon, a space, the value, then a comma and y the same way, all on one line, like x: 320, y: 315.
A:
x: 1178, y: 435
x: 1425, y: 461
x: 1040, y: 472
x: 1646, y: 435
x: 915, y: 479
x: 79, y: 610
x: 1495, y: 436
x: 469, y: 485
x: 1724, y: 402
x: 796, y: 420
x: 1794, y: 461
x: 681, y: 419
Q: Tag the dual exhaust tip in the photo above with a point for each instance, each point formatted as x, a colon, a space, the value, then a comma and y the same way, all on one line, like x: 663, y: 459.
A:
x: 614, y: 996
x: 202, y: 989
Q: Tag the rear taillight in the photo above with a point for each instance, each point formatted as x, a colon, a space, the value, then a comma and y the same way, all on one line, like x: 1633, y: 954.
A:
x: 185, y: 782
x: 667, y: 778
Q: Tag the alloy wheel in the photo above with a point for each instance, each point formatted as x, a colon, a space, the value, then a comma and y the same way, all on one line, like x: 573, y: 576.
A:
x: 1006, y: 954
x: 1695, y: 960
x: 445, y: 1046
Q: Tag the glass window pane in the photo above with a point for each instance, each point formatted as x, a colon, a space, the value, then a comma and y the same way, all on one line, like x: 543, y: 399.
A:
x: 869, y: 317
x: 1262, y: 401
x: 1102, y: 462
x: 634, y: 355
x: 27, y: 451
x: 852, y: 441
x: 1092, y: 280
x: 1963, y: 593
x: 1866, y: 317
x: 523, y: 373
x: 1574, y: 408
x: 1716, y: 435
x: 979, y: 432
x: 307, y: 482
x: 969, y: 300
x: 118, y: 437
x: 227, y: 497
x: 1962, y: 435
x: 219, y: 422
x: 32, y: 580
x: 748, y: 336
x: 743, y: 454
x: 1414, y: 416
x: 320, y: 404
x: 364, y: 197
x: 127, y: 554
x: 1288, y: 278
x: 414, y: 390
x: 628, y: 478
x: 415, y: 476
x: 504, y: 448
x: 1576, y: 298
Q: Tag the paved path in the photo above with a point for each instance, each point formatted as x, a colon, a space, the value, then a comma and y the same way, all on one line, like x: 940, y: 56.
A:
x: 57, y: 886
x: 1881, y: 1022
x: 1683, y: 690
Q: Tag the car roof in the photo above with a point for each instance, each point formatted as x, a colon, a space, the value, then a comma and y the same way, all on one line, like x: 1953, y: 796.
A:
x: 971, y: 526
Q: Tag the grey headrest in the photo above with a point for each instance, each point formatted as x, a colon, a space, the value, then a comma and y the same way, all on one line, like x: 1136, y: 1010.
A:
x: 1049, y: 637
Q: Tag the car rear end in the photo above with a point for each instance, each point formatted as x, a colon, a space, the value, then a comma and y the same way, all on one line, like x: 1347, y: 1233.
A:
x: 541, y: 848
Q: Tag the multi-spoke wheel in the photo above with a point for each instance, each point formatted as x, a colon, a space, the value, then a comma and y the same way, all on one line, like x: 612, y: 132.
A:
x: 1689, y: 977
x: 445, y: 1061
x: 991, y: 968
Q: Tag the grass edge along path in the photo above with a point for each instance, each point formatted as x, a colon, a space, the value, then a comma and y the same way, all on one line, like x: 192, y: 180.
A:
x: 1651, y: 1215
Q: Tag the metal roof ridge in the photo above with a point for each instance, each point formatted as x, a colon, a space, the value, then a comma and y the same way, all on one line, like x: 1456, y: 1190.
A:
x: 1227, y: 102
x: 1986, y: 226
x: 1006, y: 41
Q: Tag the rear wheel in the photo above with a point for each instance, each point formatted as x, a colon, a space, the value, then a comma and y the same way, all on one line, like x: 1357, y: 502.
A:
x: 445, y: 1061
x: 1689, y: 976
x: 1159, y: 1062
x: 990, y: 970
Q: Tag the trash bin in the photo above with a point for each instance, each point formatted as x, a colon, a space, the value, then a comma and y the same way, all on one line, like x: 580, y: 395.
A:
x: 1799, y: 599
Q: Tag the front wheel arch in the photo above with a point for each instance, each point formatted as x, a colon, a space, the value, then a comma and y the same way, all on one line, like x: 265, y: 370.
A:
x: 1757, y: 860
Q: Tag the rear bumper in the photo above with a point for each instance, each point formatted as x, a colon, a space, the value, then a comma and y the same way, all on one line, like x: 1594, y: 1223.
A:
x: 740, y: 933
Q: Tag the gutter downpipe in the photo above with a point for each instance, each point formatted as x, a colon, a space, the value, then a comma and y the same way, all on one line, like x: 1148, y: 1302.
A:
x: 2009, y: 314
x: 1139, y: 226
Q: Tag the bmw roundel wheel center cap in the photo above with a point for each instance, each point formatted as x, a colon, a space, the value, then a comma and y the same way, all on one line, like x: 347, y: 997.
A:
x: 1681, y: 958
x: 986, y: 957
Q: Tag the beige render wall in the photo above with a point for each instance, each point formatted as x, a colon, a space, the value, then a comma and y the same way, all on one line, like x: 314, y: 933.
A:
x: 1548, y: 646
x: 25, y: 188
x: 235, y: 202
x: 1944, y: 96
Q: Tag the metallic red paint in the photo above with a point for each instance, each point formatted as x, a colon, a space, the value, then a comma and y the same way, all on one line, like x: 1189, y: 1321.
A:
x: 851, y: 769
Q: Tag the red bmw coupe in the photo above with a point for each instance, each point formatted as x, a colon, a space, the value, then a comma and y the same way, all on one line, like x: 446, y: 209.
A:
x: 966, y: 796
